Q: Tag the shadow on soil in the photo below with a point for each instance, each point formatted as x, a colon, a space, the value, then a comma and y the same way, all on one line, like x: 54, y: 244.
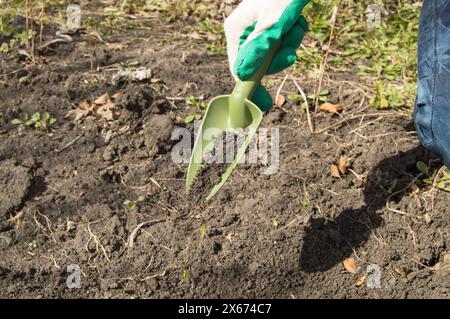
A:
x: 327, y: 243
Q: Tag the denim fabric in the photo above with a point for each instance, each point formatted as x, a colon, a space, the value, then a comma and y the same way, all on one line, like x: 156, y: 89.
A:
x: 432, y: 109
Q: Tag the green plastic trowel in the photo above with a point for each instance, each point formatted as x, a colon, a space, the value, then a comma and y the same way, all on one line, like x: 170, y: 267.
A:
x: 229, y: 113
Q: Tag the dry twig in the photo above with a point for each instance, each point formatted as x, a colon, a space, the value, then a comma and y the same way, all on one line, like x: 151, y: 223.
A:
x: 135, y: 231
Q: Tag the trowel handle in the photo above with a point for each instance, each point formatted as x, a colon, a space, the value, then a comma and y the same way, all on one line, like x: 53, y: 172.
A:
x: 245, y: 89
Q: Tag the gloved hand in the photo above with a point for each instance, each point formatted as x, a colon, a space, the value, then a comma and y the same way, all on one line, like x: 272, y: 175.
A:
x: 253, y: 28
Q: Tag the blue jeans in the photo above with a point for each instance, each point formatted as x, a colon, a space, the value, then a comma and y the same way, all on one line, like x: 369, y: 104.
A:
x: 432, y: 109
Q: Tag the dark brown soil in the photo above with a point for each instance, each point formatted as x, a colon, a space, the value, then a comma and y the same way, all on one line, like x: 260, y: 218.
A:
x: 284, y: 235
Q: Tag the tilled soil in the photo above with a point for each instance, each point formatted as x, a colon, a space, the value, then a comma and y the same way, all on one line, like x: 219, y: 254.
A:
x: 284, y: 235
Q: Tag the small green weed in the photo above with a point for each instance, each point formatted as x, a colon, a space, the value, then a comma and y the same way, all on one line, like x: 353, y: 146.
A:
x: 132, y: 204
x: 37, y: 121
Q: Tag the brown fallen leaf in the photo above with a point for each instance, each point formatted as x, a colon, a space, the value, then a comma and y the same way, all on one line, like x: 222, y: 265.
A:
x: 85, y: 106
x: 334, y: 171
x: 107, y: 111
x: 195, y: 35
x: 117, y: 95
x: 443, y: 265
x: 361, y: 281
x: 331, y: 108
x: 280, y: 100
x: 343, y: 165
x: 350, y: 265
x: 401, y: 271
x: 77, y: 114
x: 415, y: 188
x: 114, y: 46
x: 427, y: 218
x: 418, y: 202
x: 106, y: 114
x: 212, y: 37
x: 102, y: 100
x: 229, y: 236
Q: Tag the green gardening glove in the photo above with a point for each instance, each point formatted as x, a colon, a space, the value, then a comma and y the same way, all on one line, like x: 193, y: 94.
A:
x: 256, y: 26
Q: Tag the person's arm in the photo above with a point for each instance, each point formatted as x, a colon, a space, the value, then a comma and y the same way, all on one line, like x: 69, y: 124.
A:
x: 256, y: 26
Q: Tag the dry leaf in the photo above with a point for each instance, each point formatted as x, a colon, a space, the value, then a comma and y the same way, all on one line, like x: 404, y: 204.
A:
x: 70, y: 225
x: 107, y: 111
x: 350, y: 265
x: 334, y: 171
x: 114, y: 46
x: 117, y: 94
x: 418, y: 203
x: 212, y: 37
x: 427, y: 218
x: 443, y: 265
x: 361, y: 281
x: 415, y: 188
x: 229, y: 236
x: 77, y: 114
x: 401, y: 271
x: 195, y: 35
x: 85, y: 106
x: 331, y: 108
x: 102, y: 100
x: 106, y: 114
x: 343, y: 165
x: 280, y: 100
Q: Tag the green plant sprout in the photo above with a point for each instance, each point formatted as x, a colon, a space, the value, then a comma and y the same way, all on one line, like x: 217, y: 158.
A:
x: 36, y: 121
x: 192, y: 117
x: 305, y: 203
x: 19, y: 39
x: 442, y: 183
x: 323, y: 95
x: 199, y: 105
x: 387, y: 96
x: 202, y: 230
x: 186, y: 276
x: 274, y: 223
x: 132, y: 204
x: 32, y: 245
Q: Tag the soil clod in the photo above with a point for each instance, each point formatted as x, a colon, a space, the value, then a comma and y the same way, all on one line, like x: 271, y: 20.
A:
x: 14, y: 183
